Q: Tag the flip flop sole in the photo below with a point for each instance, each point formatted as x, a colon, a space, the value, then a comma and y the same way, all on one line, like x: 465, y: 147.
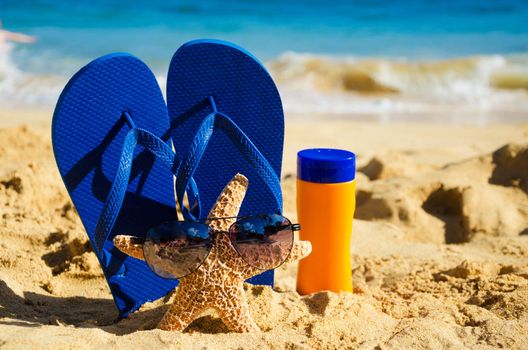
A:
x: 243, y: 90
x: 88, y: 131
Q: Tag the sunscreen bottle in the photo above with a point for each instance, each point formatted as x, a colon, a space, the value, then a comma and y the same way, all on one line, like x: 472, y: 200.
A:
x: 326, y: 200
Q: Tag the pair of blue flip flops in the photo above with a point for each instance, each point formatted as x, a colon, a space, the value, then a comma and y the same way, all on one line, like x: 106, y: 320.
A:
x: 119, y: 147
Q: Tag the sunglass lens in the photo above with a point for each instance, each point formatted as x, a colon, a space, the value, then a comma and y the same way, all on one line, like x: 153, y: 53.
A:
x: 177, y: 248
x: 263, y: 241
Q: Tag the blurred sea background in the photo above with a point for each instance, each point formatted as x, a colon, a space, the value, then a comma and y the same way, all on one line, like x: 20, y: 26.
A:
x: 442, y: 61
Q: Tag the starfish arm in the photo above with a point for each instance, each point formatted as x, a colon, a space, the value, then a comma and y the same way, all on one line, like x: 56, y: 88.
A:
x: 130, y: 245
x: 228, y: 203
x: 234, y: 311
x: 227, y: 206
x: 300, y: 250
x: 185, y: 308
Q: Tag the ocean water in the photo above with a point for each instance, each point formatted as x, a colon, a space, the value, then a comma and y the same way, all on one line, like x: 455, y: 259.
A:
x: 381, y: 59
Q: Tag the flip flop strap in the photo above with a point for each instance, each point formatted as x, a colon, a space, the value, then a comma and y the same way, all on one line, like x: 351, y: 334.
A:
x: 114, y: 201
x: 191, y: 160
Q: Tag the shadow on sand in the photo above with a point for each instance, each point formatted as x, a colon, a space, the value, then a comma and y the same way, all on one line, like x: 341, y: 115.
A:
x: 34, y: 310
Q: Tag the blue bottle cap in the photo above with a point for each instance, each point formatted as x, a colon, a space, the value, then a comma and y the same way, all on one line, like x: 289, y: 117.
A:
x: 326, y: 165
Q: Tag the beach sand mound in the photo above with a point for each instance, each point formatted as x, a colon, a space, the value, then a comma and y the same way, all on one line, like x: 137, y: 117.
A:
x: 440, y: 260
x: 486, y: 195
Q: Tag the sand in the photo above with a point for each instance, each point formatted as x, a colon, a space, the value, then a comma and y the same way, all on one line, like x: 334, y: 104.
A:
x: 439, y: 250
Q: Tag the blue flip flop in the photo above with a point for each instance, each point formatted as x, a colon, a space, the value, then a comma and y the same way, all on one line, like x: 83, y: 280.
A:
x: 225, y: 110
x: 111, y: 140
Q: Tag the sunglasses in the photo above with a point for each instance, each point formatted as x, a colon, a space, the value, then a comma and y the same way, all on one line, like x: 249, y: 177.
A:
x: 175, y: 249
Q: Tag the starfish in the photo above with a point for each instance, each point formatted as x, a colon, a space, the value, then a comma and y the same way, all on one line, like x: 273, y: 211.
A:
x: 218, y: 283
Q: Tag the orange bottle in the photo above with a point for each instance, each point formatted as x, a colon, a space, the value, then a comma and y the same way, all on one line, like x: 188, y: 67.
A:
x: 326, y: 201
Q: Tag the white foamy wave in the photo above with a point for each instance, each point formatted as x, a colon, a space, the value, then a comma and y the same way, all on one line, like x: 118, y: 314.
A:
x: 9, y: 73
x: 346, y: 86
x: 352, y: 85
x: 23, y: 89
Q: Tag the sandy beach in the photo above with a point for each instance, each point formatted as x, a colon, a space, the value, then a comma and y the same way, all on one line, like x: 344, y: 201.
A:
x: 439, y: 249
x: 431, y: 96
